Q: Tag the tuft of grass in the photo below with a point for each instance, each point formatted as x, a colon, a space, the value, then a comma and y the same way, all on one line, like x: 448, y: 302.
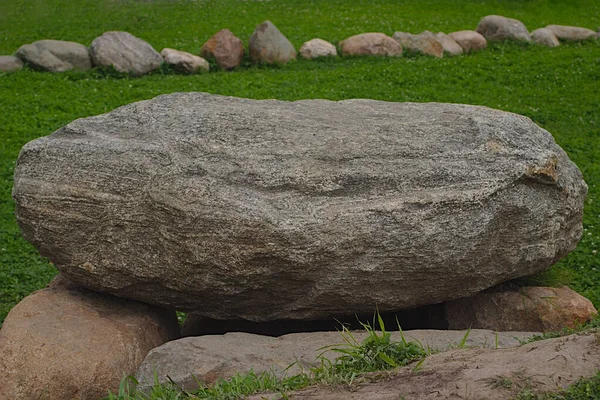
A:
x: 583, y: 389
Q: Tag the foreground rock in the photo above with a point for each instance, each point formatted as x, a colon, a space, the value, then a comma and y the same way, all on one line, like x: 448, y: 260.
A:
x: 208, y: 358
x: 498, y: 28
x: 542, y: 309
x: 316, y: 48
x: 226, y: 49
x: 267, y: 210
x: 481, y: 374
x: 469, y: 40
x: 268, y: 45
x: 184, y: 62
x: 573, y: 33
x: 125, y: 52
x: 545, y: 36
x: 55, y: 55
x: 425, y: 43
x: 64, y: 342
x: 450, y: 46
x: 371, y: 44
x: 10, y: 64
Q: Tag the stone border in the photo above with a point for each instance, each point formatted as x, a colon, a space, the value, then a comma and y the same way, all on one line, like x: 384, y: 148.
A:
x: 267, y: 45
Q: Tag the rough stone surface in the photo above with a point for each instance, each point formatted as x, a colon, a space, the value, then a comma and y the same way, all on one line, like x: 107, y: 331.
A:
x: 543, y: 309
x: 544, y: 36
x: 266, y: 210
x: 469, y: 40
x: 225, y: 49
x: 498, y: 28
x: 315, y: 48
x: 184, y: 62
x: 208, y: 358
x: 268, y: 45
x: 478, y: 374
x: 425, y: 43
x: 371, y: 44
x: 574, y: 33
x: 55, y: 55
x: 450, y: 46
x: 10, y: 63
x: 125, y: 52
x: 64, y: 342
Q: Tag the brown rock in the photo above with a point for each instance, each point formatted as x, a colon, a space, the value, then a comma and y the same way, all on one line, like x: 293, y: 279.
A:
x: 469, y: 40
x: 10, y: 63
x: 538, y: 308
x: 499, y: 28
x: 371, y: 44
x: 184, y: 62
x: 450, y: 46
x: 573, y: 33
x: 64, y: 342
x: 225, y: 49
x: 545, y: 36
x: 315, y: 48
x: 425, y: 43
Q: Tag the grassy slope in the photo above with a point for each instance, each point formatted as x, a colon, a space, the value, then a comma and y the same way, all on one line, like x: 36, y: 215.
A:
x: 559, y: 88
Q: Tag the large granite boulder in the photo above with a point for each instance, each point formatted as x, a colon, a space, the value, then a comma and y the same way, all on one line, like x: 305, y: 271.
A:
x: 125, y: 53
x: 225, y: 49
x: 55, y: 55
x: 66, y: 342
x: 572, y: 33
x: 269, y: 209
x: 371, y: 44
x: 499, y: 28
x: 268, y: 45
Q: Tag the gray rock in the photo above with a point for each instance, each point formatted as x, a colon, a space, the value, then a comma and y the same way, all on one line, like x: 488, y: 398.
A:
x: 267, y: 210
x: 316, y: 48
x: 268, y: 45
x: 10, y: 63
x: 425, y: 43
x: 573, y: 33
x: 55, y: 55
x: 208, y: 358
x: 469, y: 40
x: 371, y: 44
x: 183, y: 61
x: 499, y: 28
x: 450, y: 46
x: 125, y: 52
x: 545, y: 36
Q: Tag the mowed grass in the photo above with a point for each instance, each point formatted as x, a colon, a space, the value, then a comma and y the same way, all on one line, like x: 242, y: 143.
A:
x: 558, y: 88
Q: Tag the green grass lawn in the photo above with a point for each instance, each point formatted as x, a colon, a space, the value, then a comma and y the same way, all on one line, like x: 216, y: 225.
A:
x: 558, y: 88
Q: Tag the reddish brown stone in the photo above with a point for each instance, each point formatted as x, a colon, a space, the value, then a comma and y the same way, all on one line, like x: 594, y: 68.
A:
x: 64, y: 342
x: 371, y: 44
x: 225, y: 49
x: 539, y: 308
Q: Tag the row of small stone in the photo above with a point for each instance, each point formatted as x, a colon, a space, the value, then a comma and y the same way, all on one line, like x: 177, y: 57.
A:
x: 129, y: 54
